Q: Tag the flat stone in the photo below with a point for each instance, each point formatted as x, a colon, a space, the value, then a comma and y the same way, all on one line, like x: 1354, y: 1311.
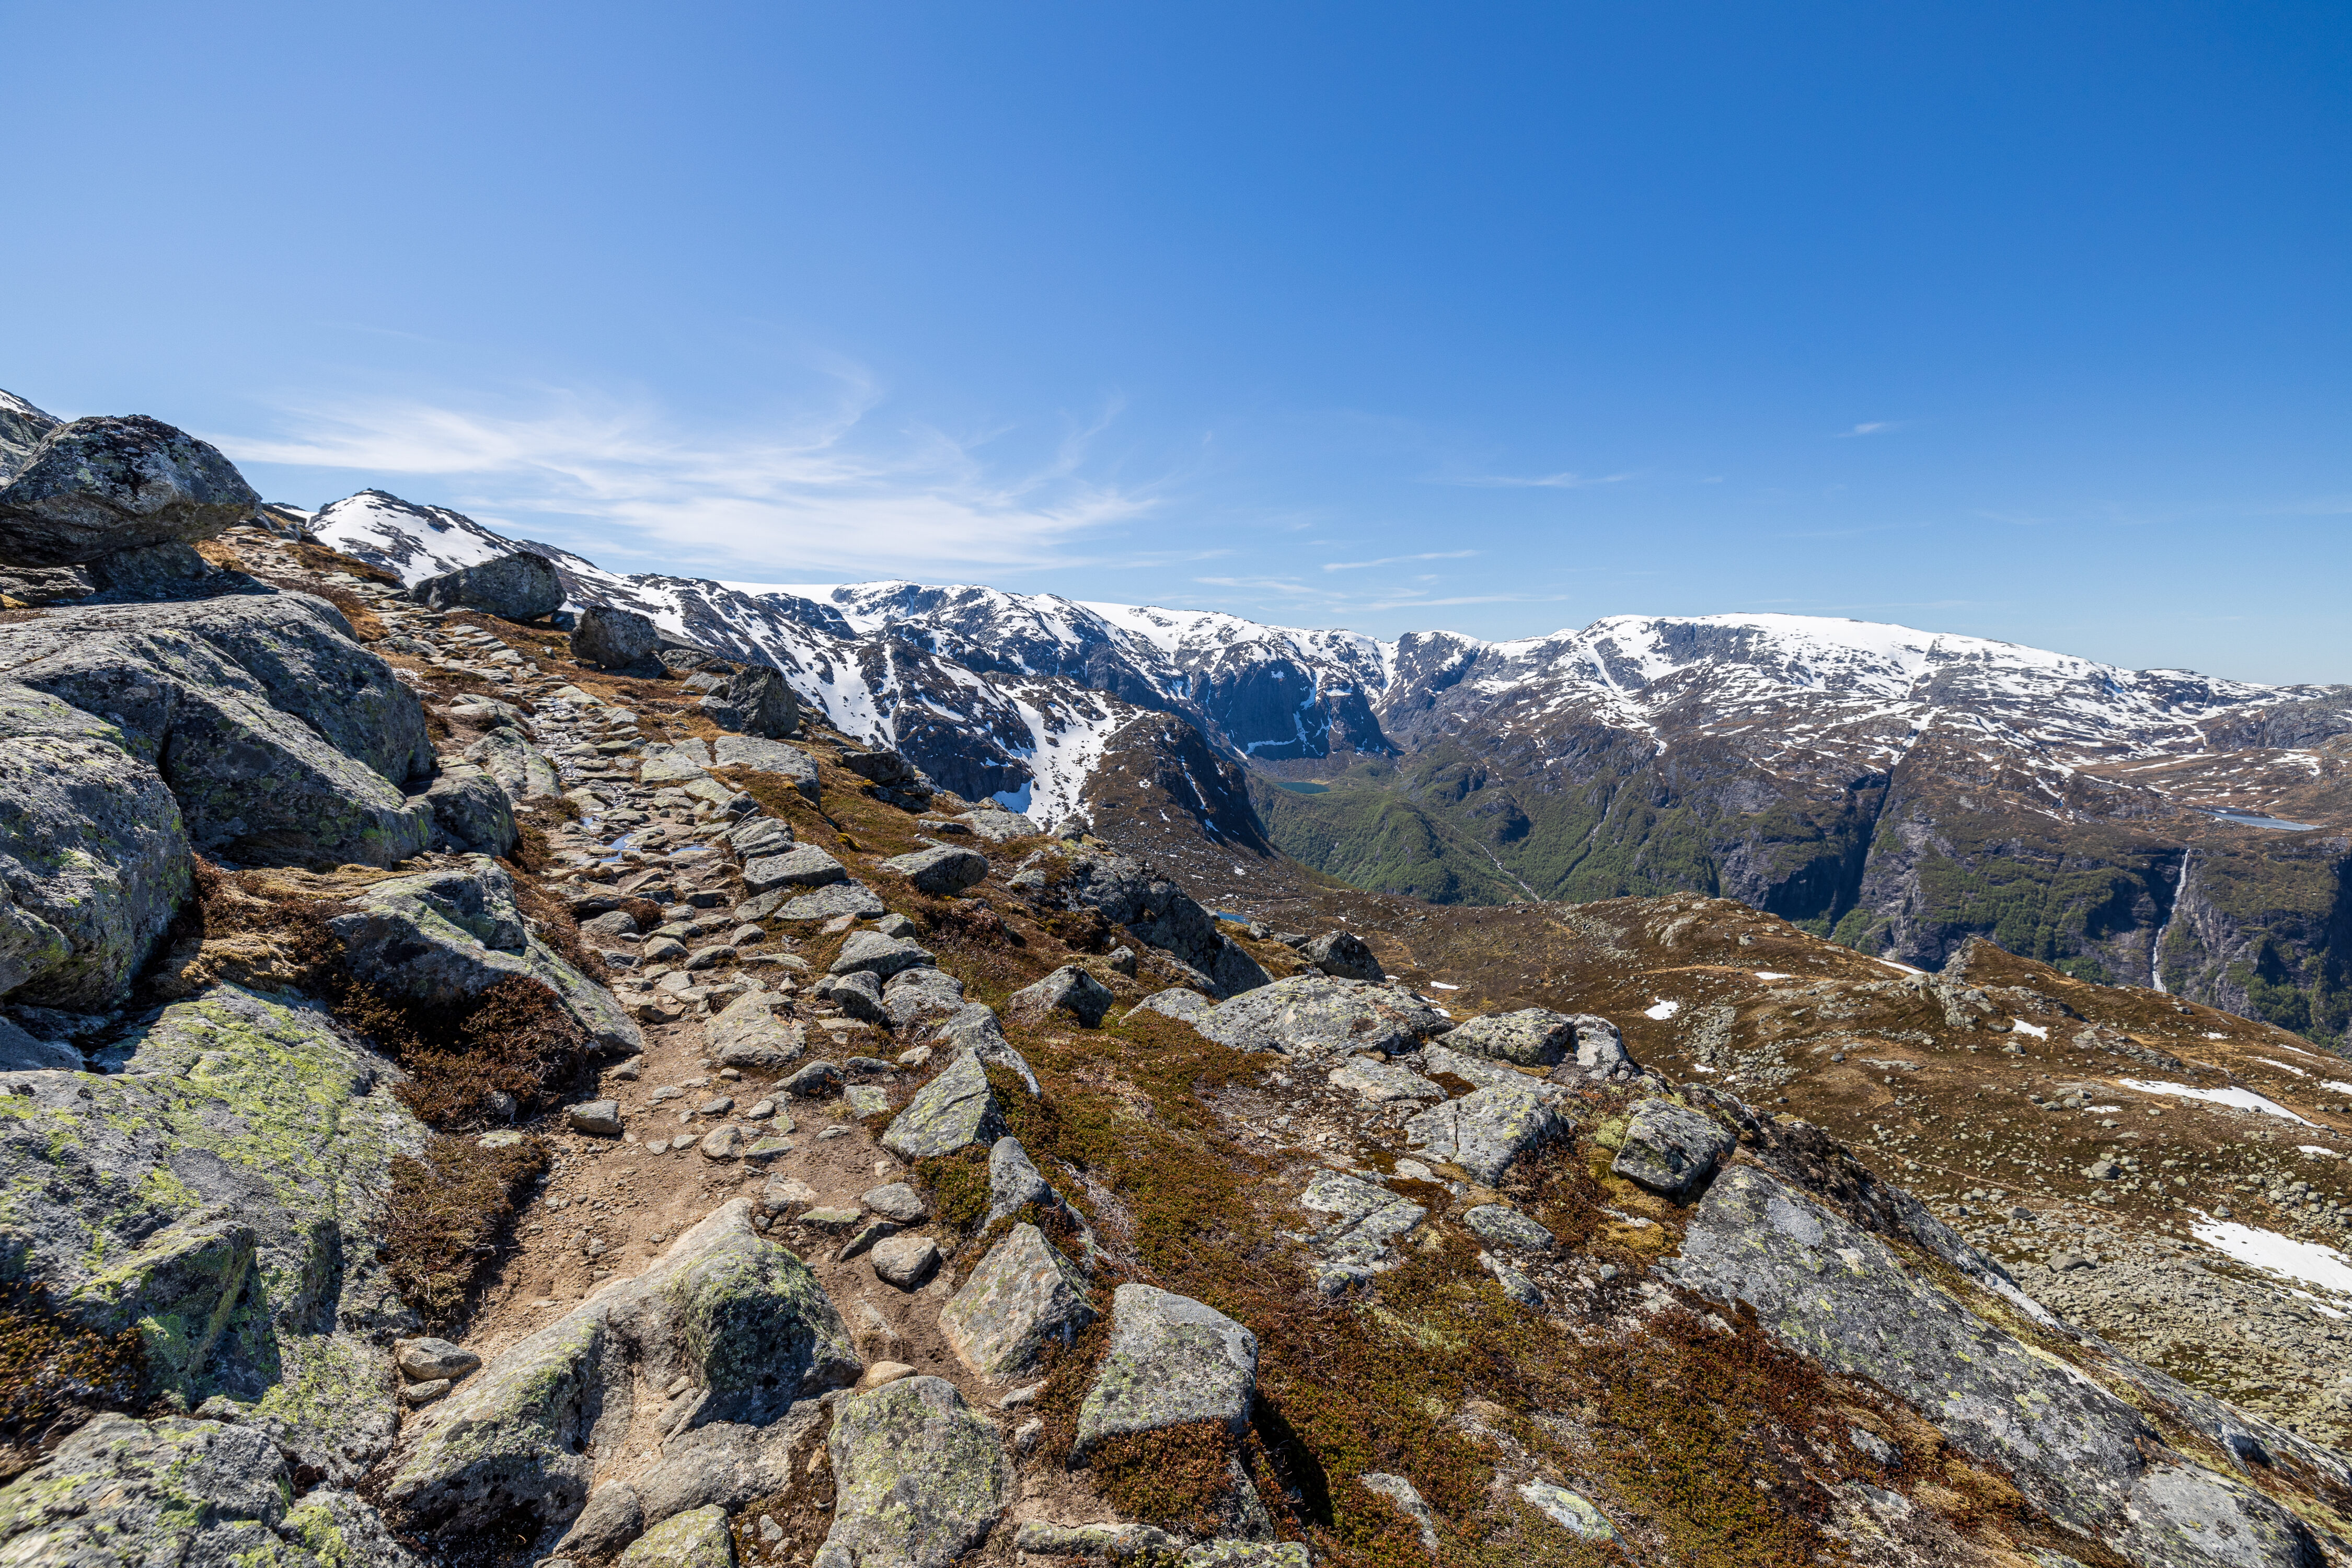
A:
x: 842, y: 901
x: 830, y: 1218
x: 1014, y: 1180
x: 1024, y: 1297
x: 1378, y: 1080
x: 897, y: 1201
x: 722, y: 1143
x: 1670, y: 1148
x: 767, y: 756
x: 697, y: 1538
x: 905, y: 1262
x: 423, y: 1360
x: 1570, y: 1510
x: 1498, y: 1225
x: 1485, y: 1131
x: 1171, y: 1360
x: 805, y: 866
x: 1534, y: 1037
x: 1176, y: 1002
x: 942, y: 871
x: 1315, y: 1014
x: 1371, y: 1219
x: 747, y: 1034
x: 881, y: 956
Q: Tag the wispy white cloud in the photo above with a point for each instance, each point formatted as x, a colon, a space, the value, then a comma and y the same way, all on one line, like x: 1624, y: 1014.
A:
x: 1395, y: 559
x: 1540, y: 481
x: 1871, y: 427
x: 834, y: 486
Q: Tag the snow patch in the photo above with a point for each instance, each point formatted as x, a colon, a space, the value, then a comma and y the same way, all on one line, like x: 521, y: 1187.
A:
x: 2019, y: 1027
x: 2237, y: 1099
x: 1663, y: 1009
x: 2267, y: 1250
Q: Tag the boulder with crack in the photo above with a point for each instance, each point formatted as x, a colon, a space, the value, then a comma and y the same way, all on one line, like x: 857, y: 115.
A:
x: 1670, y: 1148
x: 281, y: 739
x: 1484, y: 1133
x: 1024, y: 1297
x: 954, y: 1110
x: 735, y: 1317
x: 756, y: 701
x: 919, y: 1476
x: 2083, y: 1457
x: 1369, y: 1221
x: 445, y: 936
x: 93, y: 857
x: 1533, y: 1036
x: 914, y: 995
x: 1313, y: 1014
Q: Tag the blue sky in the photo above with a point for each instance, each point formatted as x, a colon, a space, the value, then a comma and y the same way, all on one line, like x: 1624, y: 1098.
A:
x: 2025, y: 320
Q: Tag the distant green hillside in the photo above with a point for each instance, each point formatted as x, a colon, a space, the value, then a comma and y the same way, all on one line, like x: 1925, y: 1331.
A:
x: 1369, y: 836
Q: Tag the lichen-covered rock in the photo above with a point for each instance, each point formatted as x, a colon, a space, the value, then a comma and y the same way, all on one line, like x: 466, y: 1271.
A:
x: 991, y: 820
x: 471, y: 812
x: 522, y: 769
x: 737, y: 1316
x: 1186, y: 1007
x: 1601, y: 1049
x: 1378, y: 1080
x: 93, y: 858
x: 756, y: 836
x: 613, y: 637
x: 281, y: 738
x: 445, y: 936
x: 1342, y: 955
x: 1113, y: 1540
x: 100, y: 485
x: 121, y: 1493
x: 1158, y: 913
x: 1839, y: 1296
x: 1483, y: 1072
x: 519, y: 586
x: 1309, y: 1014
x: 1240, y: 1554
x: 1369, y: 1221
x: 747, y: 1034
x: 1534, y: 1037
x: 1014, y: 1180
x: 770, y: 757
x: 881, y: 956
x: 695, y: 1539
x: 1024, y: 1297
x: 942, y: 870
x: 1670, y: 1148
x: 1571, y: 1510
x: 803, y: 866
x: 914, y: 995
x: 853, y: 898
x: 954, y: 1110
x: 755, y: 701
x: 218, y: 1186
x: 1171, y: 1360
x: 1498, y: 1225
x: 1068, y: 990
x: 918, y: 1478
x: 1484, y: 1133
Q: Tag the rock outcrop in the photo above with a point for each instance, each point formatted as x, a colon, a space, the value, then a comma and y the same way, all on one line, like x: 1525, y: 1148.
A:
x: 102, y: 485
x: 519, y: 586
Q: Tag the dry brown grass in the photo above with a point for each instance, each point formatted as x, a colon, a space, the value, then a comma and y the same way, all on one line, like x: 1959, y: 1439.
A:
x: 56, y: 1373
x: 446, y: 1215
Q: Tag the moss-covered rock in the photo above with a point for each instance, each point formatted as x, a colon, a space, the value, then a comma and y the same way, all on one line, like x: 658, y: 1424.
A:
x: 918, y: 1478
x: 953, y: 1110
x: 1024, y: 1297
x: 1172, y: 1360
x: 695, y: 1539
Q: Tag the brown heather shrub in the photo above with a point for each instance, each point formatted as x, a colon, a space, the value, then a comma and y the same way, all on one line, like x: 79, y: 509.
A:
x: 54, y: 1371
x: 1177, y: 1478
x: 447, y: 1214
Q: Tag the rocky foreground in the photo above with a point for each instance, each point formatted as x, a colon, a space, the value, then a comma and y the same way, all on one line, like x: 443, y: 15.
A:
x: 482, y: 1090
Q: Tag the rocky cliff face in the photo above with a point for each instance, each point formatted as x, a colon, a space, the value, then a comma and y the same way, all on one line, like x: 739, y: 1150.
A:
x: 461, y: 1103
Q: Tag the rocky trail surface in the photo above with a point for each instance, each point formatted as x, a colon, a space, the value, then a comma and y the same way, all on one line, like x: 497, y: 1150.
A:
x: 478, y: 1090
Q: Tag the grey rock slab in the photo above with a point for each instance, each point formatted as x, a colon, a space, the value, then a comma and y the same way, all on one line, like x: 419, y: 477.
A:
x: 852, y: 899
x: 739, y: 1318
x: 747, y: 1034
x: 100, y: 485
x: 517, y: 586
x: 858, y: 994
x: 914, y: 995
x: 881, y: 956
x: 443, y: 937
x: 1043, y: 1537
x: 122, y: 1493
x: 1342, y: 955
x: 1316, y: 1014
x: 1378, y: 1080
x: 215, y: 1185
x: 1369, y: 1221
x: 1485, y: 1131
x: 93, y: 856
x: 954, y: 1110
x: 23, y: 1052
x: 1246, y: 1553
x: 279, y: 737
x: 1171, y: 1360
x: 1485, y: 1072
x: 1498, y: 1225
x: 614, y: 1517
x: 756, y: 701
x: 522, y: 769
x: 1154, y: 910
x: 1571, y: 1510
x: 1014, y: 1180
x: 599, y: 1117
x: 919, y: 1478
x: 1183, y: 1006
x: 1068, y: 990
x: 1670, y: 1148
x: 1601, y: 1049
x: 421, y: 1361
x: 1534, y: 1037
x: 697, y: 1538
x: 803, y: 866
x: 1024, y: 1297
x: 2085, y: 1458
x: 770, y: 757
x: 726, y: 1463
x: 943, y: 870
x: 998, y: 826
x: 1402, y: 1493
x: 759, y: 837
x: 613, y: 637
x: 471, y: 812
x: 897, y: 1201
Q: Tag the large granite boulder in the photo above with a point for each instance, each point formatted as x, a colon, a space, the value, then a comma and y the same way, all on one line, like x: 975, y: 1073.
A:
x: 122, y: 1493
x: 770, y: 757
x: 1128, y: 893
x: 281, y: 737
x: 918, y: 1478
x: 1343, y: 955
x: 1484, y: 1133
x: 1172, y: 1361
x: 738, y: 1319
x: 445, y: 936
x: 1069, y: 990
x: 1024, y: 1297
x: 471, y: 812
x: 615, y: 639
x: 517, y: 586
x: 944, y: 869
x: 954, y: 1110
x: 1313, y: 1014
x: 1670, y: 1148
x: 2088, y: 1459
x: 755, y: 701
x: 93, y: 857
x: 802, y: 866
x: 100, y: 485
x: 749, y: 1036
x: 217, y: 1187
x: 1533, y: 1036
x: 881, y: 956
